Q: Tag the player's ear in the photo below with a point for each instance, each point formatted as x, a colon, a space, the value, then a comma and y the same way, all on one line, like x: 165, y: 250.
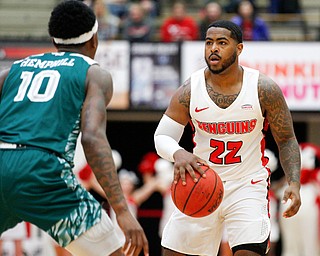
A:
x: 92, y: 45
x: 94, y: 41
x: 239, y: 48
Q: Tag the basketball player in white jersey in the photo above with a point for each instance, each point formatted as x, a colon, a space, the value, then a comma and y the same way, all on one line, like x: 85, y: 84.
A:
x: 229, y: 107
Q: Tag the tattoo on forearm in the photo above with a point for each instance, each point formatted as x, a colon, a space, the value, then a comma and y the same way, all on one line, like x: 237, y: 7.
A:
x: 99, y: 154
x: 104, y: 170
x: 290, y: 160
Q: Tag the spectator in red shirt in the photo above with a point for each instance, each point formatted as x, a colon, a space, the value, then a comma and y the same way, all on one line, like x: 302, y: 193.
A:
x: 179, y: 26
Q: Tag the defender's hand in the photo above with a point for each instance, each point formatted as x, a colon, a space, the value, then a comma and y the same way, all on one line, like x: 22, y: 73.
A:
x: 136, y: 240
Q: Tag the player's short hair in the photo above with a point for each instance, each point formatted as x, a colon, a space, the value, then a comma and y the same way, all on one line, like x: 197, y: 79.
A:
x: 235, y: 30
x: 71, y: 19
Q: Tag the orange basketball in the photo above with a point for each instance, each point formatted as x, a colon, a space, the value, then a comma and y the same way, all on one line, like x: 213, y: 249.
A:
x: 201, y: 198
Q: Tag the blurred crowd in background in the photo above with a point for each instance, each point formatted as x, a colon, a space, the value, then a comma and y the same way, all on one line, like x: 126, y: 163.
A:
x: 152, y: 20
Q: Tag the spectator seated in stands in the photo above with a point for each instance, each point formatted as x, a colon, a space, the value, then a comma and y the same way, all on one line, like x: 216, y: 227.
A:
x: 137, y: 27
x: 151, y: 8
x: 118, y: 8
x: 232, y: 5
x: 253, y: 27
x: 109, y: 24
x: 179, y: 26
x: 211, y: 13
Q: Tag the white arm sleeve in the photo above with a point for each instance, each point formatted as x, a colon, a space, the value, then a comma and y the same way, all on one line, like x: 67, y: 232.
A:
x: 167, y: 137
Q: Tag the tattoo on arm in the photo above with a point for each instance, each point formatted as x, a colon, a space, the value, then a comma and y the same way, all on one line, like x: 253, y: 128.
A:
x: 274, y: 108
x: 98, y: 151
x: 184, y: 97
x: 289, y: 154
x: 104, y: 171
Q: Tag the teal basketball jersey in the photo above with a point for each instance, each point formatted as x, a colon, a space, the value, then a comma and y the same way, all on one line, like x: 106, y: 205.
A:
x: 41, y: 101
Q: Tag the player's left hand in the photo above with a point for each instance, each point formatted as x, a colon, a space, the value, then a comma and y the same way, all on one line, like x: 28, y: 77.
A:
x: 292, y: 192
x: 136, y: 240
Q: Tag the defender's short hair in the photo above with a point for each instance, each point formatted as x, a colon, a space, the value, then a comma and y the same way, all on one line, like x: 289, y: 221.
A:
x: 235, y: 30
x: 71, y: 19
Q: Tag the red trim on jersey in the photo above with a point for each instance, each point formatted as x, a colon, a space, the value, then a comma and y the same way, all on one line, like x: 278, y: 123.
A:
x: 193, y: 133
x: 264, y: 159
x: 269, y: 191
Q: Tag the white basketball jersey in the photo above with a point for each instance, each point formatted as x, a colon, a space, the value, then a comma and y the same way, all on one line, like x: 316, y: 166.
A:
x: 231, y: 140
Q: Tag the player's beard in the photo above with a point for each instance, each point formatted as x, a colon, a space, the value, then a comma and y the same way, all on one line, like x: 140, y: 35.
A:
x: 227, y: 63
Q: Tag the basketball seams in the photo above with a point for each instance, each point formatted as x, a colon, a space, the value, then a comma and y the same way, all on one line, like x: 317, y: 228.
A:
x: 186, y: 202
x: 174, y: 192
x: 189, y: 198
x: 211, y: 194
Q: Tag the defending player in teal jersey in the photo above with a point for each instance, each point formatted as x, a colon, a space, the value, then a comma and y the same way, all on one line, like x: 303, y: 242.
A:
x: 45, y: 101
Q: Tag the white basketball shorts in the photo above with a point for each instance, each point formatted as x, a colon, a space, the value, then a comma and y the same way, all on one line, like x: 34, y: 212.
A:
x: 243, y: 211
x: 101, y: 239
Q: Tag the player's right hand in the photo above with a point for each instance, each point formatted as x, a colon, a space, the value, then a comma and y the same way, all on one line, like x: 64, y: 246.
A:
x: 136, y: 240
x: 186, y: 161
